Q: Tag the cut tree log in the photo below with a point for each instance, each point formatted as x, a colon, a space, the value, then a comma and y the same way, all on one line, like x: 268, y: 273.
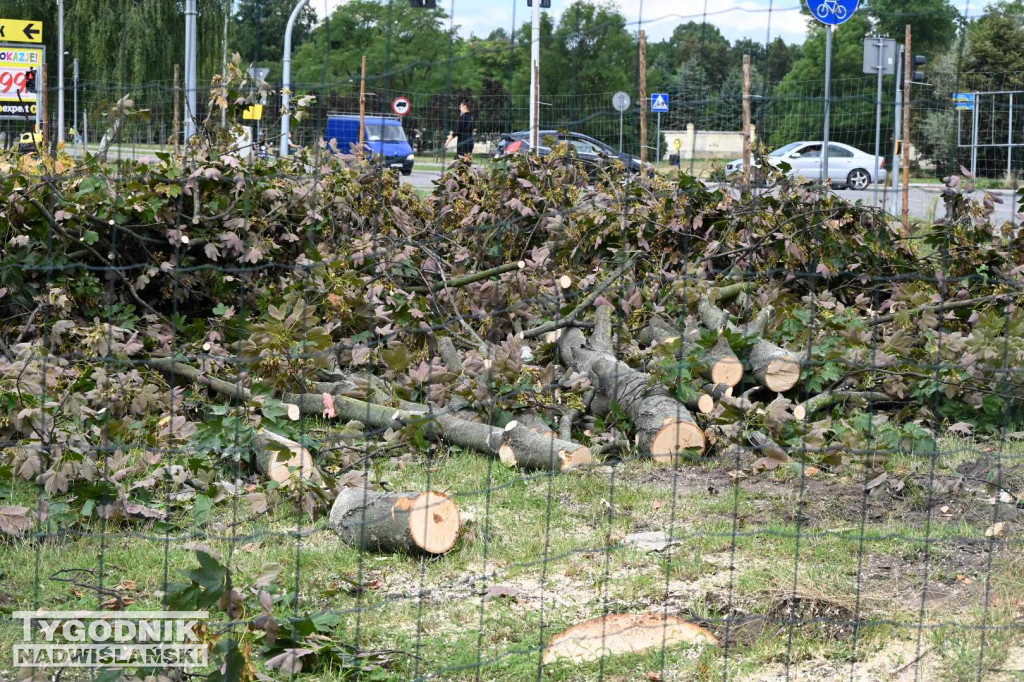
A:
x: 719, y: 363
x: 276, y: 457
x: 396, y: 521
x: 664, y: 427
x: 623, y: 633
x: 703, y: 403
x: 774, y: 367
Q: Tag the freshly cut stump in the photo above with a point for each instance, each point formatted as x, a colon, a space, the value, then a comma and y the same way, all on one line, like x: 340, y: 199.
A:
x: 623, y: 633
x: 393, y: 522
x: 276, y: 456
x: 774, y: 368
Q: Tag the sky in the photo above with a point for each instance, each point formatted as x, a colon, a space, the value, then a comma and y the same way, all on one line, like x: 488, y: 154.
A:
x: 754, y: 19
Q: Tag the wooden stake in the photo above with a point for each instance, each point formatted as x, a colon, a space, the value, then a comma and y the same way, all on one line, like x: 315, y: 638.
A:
x: 177, y: 110
x: 643, y: 97
x: 908, y: 77
x: 746, y: 119
x: 362, y: 107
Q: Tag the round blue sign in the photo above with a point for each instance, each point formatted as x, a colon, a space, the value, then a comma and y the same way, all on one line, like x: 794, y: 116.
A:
x: 832, y: 12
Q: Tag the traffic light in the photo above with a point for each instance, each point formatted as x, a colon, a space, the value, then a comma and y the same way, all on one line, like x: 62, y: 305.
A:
x: 544, y: 4
x: 425, y: 4
x: 918, y: 76
x: 30, y: 80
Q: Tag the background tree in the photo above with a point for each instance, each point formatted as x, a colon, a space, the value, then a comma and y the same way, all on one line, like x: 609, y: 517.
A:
x: 258, y: 26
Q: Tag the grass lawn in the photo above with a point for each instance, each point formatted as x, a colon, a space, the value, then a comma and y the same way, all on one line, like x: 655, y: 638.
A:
x: 796, y: 575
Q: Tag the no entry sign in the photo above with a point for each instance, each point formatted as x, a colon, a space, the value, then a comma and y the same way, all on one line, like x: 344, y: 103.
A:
x: 401, y: 106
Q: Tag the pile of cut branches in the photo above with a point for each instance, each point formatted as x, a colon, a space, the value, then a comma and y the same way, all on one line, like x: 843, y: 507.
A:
x: 530, y: 310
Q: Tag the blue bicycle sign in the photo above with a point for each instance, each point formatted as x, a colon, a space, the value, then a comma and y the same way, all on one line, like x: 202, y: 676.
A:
x: 832, y: 12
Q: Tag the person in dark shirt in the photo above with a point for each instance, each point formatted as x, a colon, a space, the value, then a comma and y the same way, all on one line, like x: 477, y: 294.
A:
x: 463, y: 131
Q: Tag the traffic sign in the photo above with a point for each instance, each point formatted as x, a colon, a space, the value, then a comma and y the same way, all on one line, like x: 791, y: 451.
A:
x: 620, y: 101
x: 401, y: 106
x: 258, y: 72
x: 659, y: 102
x: 19, y: 31
x: 964, y: 101
x: 832, y: 12
x: 253, y: 112
x: 678, y: 144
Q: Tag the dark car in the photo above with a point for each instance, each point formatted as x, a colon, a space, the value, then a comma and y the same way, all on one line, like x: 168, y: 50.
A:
x: 584, y: 147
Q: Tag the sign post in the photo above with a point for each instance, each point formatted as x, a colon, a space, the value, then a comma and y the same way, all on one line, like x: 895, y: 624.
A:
x: 258, y: 74
x: 831, y: 13
x: 659, y: 105
x: 620, y: 102
x: 880, y: 58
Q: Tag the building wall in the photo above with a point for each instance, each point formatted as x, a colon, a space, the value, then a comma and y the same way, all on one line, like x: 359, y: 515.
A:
x: 705, y: 144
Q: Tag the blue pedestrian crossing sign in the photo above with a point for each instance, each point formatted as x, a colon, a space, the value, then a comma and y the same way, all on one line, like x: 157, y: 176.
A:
x: 659, y: 102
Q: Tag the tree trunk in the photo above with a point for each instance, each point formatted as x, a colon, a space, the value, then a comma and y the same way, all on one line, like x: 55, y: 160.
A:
x: 393, y: 522
x: 664, y: 427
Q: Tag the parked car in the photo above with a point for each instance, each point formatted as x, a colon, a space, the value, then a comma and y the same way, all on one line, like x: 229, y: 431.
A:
x: 589, y: 150
x: 847, y: 166
x: 385, y: 140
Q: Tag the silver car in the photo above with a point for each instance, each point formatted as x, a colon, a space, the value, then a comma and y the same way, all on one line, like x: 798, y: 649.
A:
x: 847, y: 165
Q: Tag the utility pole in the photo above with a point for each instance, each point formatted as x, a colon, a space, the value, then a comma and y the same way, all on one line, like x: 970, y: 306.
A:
x: 286, y: 78
x: 177, y: 112
x: 535, y: 78
x: 60, y: 71
x: 644, y: 104
x: 74, y: 121
x: 878, y: 118
x: 908, y: 74
x: 224, y: 64
x: 190, y: 69
x: 746, y: 119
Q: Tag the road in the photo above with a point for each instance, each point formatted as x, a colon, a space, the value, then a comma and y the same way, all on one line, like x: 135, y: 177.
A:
x: 925, y: 200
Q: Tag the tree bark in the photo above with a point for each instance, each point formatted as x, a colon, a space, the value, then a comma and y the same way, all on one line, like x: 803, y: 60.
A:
x: 396, y: 521
x: 664, y: 427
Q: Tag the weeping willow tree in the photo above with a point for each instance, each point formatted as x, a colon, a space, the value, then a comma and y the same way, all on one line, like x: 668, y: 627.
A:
x: 125, y: 43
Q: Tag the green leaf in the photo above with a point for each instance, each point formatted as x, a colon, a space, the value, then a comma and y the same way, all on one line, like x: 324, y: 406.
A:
x: 90, y: 237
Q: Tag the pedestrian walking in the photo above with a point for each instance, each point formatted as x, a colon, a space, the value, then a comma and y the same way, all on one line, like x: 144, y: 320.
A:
x: 463, y: 131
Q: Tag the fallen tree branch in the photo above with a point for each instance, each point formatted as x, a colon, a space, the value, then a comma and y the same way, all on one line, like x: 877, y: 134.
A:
x: 938, y: 307
x: 587, y: 302
x: 463, y: 280
x: 830, y: 398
